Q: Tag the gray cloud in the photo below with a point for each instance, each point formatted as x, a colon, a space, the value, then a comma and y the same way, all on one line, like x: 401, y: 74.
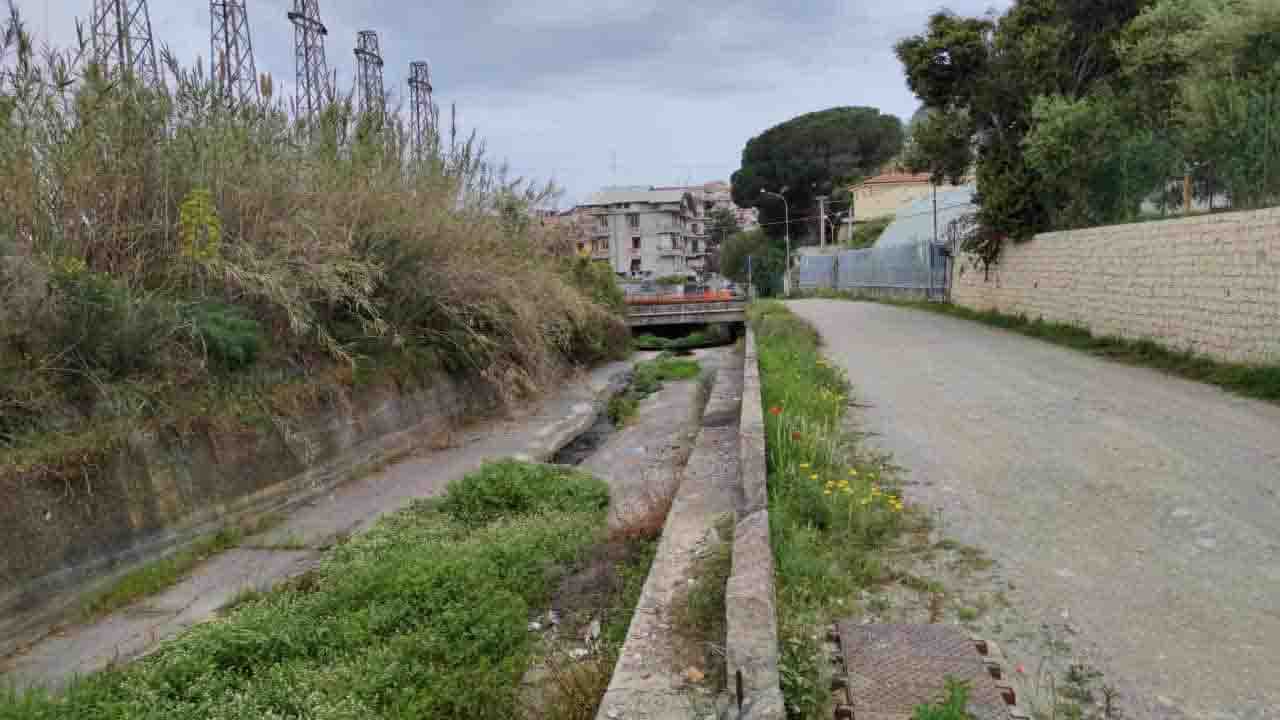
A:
x: 560, y: 88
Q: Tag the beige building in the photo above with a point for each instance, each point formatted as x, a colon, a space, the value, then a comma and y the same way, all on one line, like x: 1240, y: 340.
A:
x: 882, y: 195
x: 645, y: 232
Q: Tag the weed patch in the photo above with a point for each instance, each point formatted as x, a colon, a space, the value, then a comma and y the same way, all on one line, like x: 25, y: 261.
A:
x: 424, y: 615
x: 648, y: 379
x: 713, y: 335
x: 699, y: 616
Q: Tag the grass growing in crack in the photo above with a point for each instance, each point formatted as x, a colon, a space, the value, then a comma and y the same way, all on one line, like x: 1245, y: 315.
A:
x: 158, y: 575
x: 833, y: 509
x: 164, y: 573
x: 953, y: 707
x: 648, y: 379
x: 424, y: 615
x: 1258, y: 381
x: 699, y: 617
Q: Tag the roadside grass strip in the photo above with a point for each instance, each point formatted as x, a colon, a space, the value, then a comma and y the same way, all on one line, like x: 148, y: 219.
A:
x: 834, y: 509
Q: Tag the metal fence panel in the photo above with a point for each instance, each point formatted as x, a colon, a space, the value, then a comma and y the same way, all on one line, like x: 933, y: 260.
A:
x: 817, y: 271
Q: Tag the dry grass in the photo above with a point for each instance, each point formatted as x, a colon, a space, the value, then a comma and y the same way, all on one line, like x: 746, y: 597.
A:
x: 576, y: 687
x: 167, y: 260
x: 644, y: 516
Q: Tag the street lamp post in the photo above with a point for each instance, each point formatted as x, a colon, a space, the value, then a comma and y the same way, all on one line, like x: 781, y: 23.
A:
x: 786, y: 230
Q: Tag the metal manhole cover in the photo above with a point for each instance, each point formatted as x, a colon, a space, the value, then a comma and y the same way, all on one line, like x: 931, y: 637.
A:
x: 892, y: 669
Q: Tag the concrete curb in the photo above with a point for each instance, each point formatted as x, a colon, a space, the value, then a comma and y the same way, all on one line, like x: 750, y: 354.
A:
x: 750, y: 608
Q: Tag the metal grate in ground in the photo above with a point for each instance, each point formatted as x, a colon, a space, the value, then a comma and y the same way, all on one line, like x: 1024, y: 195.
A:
x: 892, y: 668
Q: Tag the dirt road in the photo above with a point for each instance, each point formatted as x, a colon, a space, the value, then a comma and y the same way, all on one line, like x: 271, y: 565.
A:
x: 1140, y: 510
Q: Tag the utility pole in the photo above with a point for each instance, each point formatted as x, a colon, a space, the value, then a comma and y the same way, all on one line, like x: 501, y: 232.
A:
x: 822, y: 221
x: 786, y: 230
x: 231, y: 51
x: 422, y: 116
x: 935, y: 212
x: 369, y: 76
x: 121, y: 32
x: 311, y: 70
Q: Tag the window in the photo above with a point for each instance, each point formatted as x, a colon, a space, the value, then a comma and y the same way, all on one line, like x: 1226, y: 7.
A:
x: 602, y: 224
x: 635, y: 242
x: 635, y: 265
x: 695, y: 229
x: 602, y: 245
x: 633, y: 221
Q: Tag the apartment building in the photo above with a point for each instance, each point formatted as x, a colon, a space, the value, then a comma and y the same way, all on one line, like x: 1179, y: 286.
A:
x: 645, y: 232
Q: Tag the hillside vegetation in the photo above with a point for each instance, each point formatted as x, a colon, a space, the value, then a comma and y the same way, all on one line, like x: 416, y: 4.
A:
x: 168, y: 260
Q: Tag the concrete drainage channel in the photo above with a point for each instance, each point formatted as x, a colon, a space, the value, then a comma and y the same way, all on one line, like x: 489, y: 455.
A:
x: 723, y: 479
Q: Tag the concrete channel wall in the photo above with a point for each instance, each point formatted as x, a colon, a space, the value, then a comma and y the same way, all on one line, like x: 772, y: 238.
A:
x: 59, y: 540
x: 750, y: 603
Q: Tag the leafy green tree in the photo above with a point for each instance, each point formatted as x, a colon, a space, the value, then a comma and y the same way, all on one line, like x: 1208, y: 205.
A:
x: 767, y: 256
x: 941, y: 144
x: 809, y: 155
x: 993, y: 71
x: 1095, y: 166
x: 1230, y: 97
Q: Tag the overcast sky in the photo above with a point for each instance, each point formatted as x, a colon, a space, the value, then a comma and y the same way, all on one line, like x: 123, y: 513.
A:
x: 672, y: 89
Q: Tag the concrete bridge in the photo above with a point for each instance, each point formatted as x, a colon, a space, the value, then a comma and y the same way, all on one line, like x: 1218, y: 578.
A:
x: 696, y: 312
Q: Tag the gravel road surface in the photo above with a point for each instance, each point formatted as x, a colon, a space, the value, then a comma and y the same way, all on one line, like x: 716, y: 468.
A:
x: 1139, y: 507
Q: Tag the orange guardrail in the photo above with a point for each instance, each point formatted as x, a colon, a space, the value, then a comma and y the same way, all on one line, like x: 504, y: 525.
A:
x: 706, y: 297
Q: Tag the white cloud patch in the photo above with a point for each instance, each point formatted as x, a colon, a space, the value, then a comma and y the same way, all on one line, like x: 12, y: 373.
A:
x: 674, y: 88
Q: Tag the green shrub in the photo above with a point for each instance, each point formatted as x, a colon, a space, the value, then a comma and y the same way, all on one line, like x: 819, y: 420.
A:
x: 226, y: 334
x: 598, y: 281
x: 866, y: 233
x: 106, y: 327
x: 511, y: 488
x: 951, y: 708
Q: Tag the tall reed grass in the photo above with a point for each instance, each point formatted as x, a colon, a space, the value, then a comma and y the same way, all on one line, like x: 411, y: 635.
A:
x: 158, y: 245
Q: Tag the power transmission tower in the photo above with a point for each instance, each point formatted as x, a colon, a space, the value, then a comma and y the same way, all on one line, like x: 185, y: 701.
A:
x: 308, y: 57
x: 422, y: 110
x: 231, y: 51
x: 369, y: 74
x: 453, y: 129
x: 121, y: 31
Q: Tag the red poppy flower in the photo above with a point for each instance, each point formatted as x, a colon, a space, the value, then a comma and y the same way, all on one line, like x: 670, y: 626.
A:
x: 775, y: 410
x: 795, y: 436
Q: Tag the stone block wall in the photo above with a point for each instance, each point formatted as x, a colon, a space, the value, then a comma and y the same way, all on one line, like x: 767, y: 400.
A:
x: 1209, y: 284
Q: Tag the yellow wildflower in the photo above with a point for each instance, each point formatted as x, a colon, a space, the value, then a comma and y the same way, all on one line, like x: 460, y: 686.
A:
x: 804, y: 466
x: 813, y: 477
